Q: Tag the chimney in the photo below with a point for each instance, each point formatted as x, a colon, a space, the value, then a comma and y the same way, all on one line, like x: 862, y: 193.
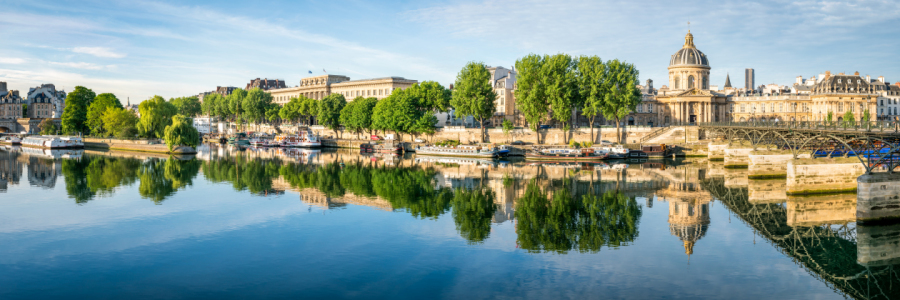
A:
x: 827, y: 74
x: 881, y: 78
x: 799, y: 80
x: 868, y: 79
x: 856, y: 73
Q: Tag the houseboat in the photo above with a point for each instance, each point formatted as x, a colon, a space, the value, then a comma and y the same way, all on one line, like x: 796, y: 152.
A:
x: 53, y: 142
x: 583, y: 154
x: 305, y: 140
x: 10, y: 139
x: 614, y: 151
x: 462, y: 151
x: 263, y: 140
x: 656, y: 150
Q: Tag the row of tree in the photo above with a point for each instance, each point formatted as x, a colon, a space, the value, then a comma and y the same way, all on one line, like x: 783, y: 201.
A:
x: 556, y: 86
x: 103, y: 115
x: 250, y: 106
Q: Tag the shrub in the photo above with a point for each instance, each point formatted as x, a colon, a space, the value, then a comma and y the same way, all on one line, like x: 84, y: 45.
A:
x: 574, y: 144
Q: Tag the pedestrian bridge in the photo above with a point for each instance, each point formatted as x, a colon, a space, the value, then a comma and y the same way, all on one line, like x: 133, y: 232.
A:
x: 876, y: 144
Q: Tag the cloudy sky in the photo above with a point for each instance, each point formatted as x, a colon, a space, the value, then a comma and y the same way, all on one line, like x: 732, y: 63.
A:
x: 137, y: 49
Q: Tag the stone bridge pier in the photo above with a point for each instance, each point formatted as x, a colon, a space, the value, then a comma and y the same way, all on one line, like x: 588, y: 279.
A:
x: 737, y: 155
x: 823, y: 175
x: 878, y: 197
x: 770, y: 164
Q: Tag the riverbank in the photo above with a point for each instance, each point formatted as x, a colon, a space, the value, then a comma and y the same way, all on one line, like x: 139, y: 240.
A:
x: 136, y: 146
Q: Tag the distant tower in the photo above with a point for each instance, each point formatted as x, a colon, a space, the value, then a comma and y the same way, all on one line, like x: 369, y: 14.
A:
x: 2, y: 86
x: 727, y: 80
x: 749, y: 79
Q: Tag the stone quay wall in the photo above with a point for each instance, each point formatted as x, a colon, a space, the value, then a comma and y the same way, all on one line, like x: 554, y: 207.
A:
x: 823, y: 175
x: 737, y: 155
x: 717, y: 150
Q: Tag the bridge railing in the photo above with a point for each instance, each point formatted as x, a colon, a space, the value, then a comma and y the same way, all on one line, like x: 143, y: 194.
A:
x: 850, y: 126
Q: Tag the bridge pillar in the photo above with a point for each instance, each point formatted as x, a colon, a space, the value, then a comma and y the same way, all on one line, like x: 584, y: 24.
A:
x: 766, y: 191
x: 821, y: 209
x: 717, y: 150
x: 770, y: 164
x: 823, y: 175
x: 736, y: 178
x: 878, y: 197
x: 878, y: 245
x: 737, y: 155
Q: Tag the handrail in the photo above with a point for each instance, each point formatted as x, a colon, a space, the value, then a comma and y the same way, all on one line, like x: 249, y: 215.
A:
x: 880, y: 126
x: 655, y: 133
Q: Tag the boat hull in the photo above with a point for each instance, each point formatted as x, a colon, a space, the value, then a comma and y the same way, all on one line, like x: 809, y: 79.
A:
x: 451, y: 154
x: 564, y: 157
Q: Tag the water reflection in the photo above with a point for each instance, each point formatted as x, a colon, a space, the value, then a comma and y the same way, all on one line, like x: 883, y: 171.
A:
x: 546, y: 208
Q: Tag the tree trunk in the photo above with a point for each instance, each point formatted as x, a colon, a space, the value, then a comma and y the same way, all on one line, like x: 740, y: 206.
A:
x: 592, y: 131
x: 482, y: 129
x: 618, y: 133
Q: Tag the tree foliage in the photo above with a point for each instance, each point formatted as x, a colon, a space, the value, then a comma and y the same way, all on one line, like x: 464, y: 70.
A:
x: 181, y: 133
x: 187, y: 106
x: 474, y: 94
x: 74, y: 117
x: 591, y: 77
x: 622, y: 95
x: 357, y: 114
x: 562, y: 93
x: 120, y: 122
x: 255, y: 104
x: 156, y: 114
x: 48, y: 127
x: 96, y: 111
x: 472, y: 212
x: 329, y: 112
x: 531, y: 98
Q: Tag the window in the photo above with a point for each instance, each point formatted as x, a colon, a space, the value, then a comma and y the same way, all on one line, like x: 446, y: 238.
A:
x: 677, y: 82
x: 649, y: 107
x: 742, y: 110
x: 841, y: 106
x: 691, y: 81
x: 762, y: 108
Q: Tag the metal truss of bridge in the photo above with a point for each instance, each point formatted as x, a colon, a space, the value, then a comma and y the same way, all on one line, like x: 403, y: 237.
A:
x: 875, y: 144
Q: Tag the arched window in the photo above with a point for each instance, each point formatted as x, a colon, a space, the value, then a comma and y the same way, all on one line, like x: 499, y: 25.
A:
x: 691, y: 81
x: 705, y: 83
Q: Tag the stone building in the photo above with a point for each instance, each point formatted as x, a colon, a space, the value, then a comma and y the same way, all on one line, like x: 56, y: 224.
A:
x: 10, y: 103
x: 45, y: 102
x: 318, y: 87
x: 689, y: 99
x: 266, y: 84
x: 224, y: 91
x: 504, y: 81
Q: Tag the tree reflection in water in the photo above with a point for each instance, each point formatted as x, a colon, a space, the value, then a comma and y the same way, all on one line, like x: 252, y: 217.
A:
x: 91, y: 176
x: 564, y: 221
x: 472, y: 212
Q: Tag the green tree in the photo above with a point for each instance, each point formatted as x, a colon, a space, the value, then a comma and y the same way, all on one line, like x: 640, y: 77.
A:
x: 74, y: 117
x: 235, y: 100
x: 291, y: 110
x: 561, y: 88
x: 187, y: 106
x: 396, y: 113
x: 431, y: 96
x: 24, y: 110
x: 181, y: 133
x: 329, y: 113
x: 309, y: 108
x: 96, y: 111
x: 473, y: 94
x: 531, y: 98
x: 48, y: 127
x: 866, y: 118
x: 273, y: 113
x: 156, y: 114
x: 591, y: 77
x: 362, y: 112
x: 120, y: 122
x: 622, y: 95
x: 208, y: 106
x: 829, y: 117
x: 849, y: 120
x: 472, y: 213
x: 507, y: 128
x: 222, y: 109
x: 255, y: 104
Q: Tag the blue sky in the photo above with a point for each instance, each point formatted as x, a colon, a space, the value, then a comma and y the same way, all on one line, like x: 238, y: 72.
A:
x: 137, y: 49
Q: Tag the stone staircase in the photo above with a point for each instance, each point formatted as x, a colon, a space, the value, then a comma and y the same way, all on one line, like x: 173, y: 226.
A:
x: 674, y: 135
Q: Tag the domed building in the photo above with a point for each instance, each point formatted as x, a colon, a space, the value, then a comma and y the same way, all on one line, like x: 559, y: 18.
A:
x: 689, y: 221
x: 688, y: 98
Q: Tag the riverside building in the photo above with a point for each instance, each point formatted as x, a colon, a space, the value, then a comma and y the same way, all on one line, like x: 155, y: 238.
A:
x: 318, y: 87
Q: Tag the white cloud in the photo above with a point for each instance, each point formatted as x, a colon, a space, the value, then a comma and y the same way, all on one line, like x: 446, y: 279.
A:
x: 98, y: 52
x: 11, y: 60
x: 80, y: 65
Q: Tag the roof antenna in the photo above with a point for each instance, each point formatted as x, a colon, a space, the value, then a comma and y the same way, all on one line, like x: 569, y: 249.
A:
x: 689, y: 26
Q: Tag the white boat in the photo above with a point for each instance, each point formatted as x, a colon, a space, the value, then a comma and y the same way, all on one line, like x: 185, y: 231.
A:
x: 10, y: 139
x: 262, y: 140
x: 53, y: 142
x: 53, y: 153
x: 462, y: 151
x: 615, y: 151
x: 306, y: 140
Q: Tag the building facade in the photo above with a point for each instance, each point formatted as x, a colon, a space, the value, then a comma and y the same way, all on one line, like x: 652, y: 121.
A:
x: 10, y: 103
x: 266, y: 84
x: 46, y: 102
x: 318, y: 87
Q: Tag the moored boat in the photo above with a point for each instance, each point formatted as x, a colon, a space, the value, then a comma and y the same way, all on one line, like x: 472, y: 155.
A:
x: 53, y: 142
x: 388, y: 146
x: 10, y: 139
x: 305, y: 140
x: 615, y: 151
x: 583, y: 154
x: 462, y: 151
x: 262, y: 140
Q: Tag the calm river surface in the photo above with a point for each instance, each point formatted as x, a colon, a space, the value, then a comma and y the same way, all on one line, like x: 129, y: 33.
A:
x: 233, y: 223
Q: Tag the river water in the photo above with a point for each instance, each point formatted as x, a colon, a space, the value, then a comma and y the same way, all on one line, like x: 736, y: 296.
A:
x: 250, y: 223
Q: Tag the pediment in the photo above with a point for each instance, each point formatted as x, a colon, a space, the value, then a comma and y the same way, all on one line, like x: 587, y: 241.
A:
x: 694, y: 93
